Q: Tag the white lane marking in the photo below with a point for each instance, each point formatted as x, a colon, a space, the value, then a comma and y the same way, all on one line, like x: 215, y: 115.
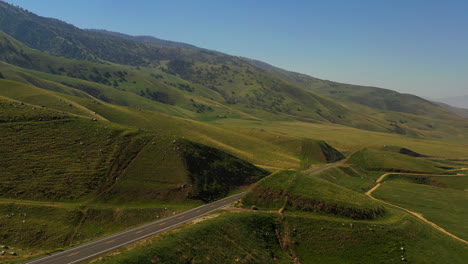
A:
x: 153, y: 233
x: 235, y: 197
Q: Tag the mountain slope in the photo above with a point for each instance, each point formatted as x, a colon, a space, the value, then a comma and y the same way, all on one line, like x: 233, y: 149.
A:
x: 456, y: 110
x: 195, y: 86
x: 147, y: 39
x: 406, y: 113
x: 62, y: 39
x: 243, y: 88
x: 459, y: 101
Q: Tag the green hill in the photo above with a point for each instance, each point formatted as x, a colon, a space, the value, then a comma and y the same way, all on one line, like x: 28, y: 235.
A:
x: 375, y: 160
x: 404, y: 151
x: 405, y: 113
x: 209, y: 91
x: 292, y: 190
x: 438, y: 203
x: 67, y: 157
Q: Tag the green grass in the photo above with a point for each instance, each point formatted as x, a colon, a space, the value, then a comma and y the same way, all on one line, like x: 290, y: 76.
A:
x: 266, y: 238
x: 272, y: 149
x: 444, y: 206
x: 79, y: 156
x: 348, y: 140
x: 374, y: 160
x: 302, y: 192
x: 232, y: 238
x: 325, y: 241
x: 174, y: 169
x: 34, y: 228
x: 454, y: 182
x: 209, y: 91
x: 457, y: 183
x: 350, y: 177
x: 312, y: 187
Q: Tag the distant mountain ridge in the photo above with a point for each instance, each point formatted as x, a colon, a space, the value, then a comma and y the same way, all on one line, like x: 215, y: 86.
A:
x: 147, y: 39
x: 456, y: 110
x: 456, y: 101
x: 204, y: 84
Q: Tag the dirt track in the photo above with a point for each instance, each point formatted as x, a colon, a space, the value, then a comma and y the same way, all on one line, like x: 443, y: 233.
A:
x: 418, y: 215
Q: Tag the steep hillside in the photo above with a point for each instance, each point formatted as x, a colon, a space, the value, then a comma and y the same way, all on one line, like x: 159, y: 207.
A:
x: 209, y: 91
x: 67, y: 157
x: 405, y: 113
x: 171, y: 169
x: 47, y: 155
x: 62, y: 39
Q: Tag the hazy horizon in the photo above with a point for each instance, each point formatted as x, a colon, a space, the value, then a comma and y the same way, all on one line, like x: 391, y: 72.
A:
x: 416, y: 47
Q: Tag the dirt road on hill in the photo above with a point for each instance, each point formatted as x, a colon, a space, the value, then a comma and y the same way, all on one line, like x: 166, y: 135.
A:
x: 418, y: 215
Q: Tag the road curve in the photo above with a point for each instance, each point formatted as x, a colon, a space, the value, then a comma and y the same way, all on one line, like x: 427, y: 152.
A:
x: 92, y: 249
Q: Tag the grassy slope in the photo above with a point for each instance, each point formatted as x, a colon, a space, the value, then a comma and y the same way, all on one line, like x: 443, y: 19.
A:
x: 347, y: 139
x: 171, y: 169
x: 256, y: 238
x: 243, y: 238
x: 369, y: 159
x: 80, y: 154
x: 274, y: 150
x: 34, y: 228
x: 205, y: 90
x: 326, y: 241
x: 297, y: 191
x: 405, y: 113
x: 84, y: 160
x: 444, y: 206
x: 350, y: 177
x: 63, y: 39
x: 92, y: 155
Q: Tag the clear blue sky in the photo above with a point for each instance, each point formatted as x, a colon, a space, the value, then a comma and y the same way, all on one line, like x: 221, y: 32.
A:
x: 413, y: 46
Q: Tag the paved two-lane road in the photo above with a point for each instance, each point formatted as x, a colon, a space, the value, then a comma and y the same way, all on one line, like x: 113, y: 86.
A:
x: 317, y: 170
x: 100, y: 246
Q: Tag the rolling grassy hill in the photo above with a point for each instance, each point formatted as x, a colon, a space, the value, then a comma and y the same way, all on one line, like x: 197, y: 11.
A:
x: 374, y: 160
x: 292, y: 190
x: 93, y: 155
x: 351, y: 177
x: 444, y: 206
x: 405, y: 113
x: 212, y: 91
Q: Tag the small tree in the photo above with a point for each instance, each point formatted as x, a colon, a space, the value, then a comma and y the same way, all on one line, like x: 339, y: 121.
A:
x: 1, y: 76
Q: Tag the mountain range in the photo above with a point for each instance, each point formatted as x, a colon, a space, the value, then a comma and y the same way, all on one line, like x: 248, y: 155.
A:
x: 208, y: 83
x: 457, y: 101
